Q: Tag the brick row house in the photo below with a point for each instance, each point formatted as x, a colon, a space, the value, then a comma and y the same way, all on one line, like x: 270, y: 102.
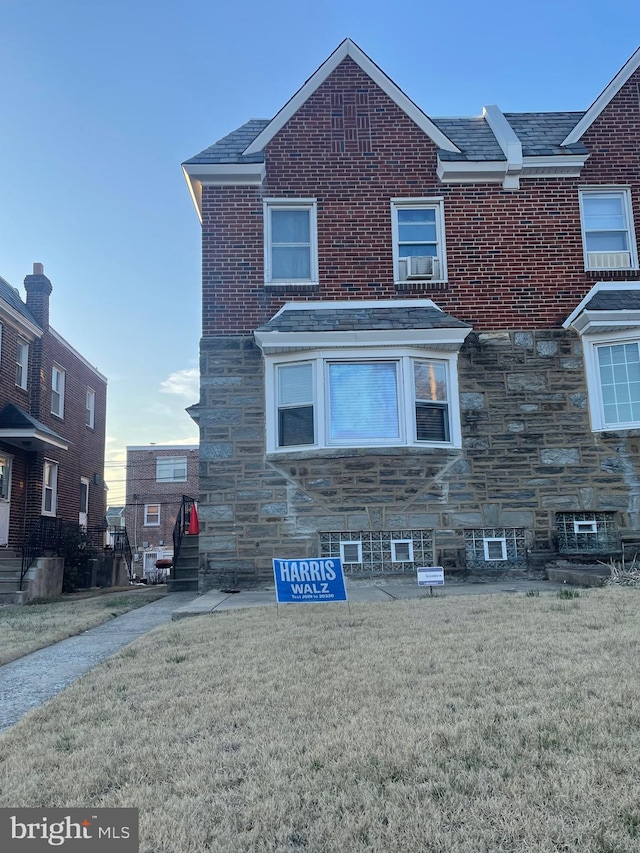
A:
x: 158, y: 477
x: 420, y: 337
x: 52, y: 424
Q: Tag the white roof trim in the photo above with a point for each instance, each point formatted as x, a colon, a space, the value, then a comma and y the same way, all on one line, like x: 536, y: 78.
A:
x: 597, y: 288
x: 27, y: 435
x: 591, y: 322
x: 349, y: 48
x: 271, y: 342
x: 604, y: 99
x: 80, y: 358
x: 505, y: 137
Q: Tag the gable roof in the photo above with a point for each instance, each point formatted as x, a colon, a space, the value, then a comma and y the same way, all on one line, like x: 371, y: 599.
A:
x: 604, y: 99
x: 12, y: 298
x: 229, y: 149
x: 349, y: 48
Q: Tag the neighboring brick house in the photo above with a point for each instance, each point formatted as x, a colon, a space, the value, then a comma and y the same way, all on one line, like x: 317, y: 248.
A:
x: 157, y: 478
x: 52, y: 420
x: 421, y: 337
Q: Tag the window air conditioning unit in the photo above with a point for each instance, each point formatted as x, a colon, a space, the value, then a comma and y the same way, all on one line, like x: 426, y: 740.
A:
x: 609, y: 260
x: 420, y: 266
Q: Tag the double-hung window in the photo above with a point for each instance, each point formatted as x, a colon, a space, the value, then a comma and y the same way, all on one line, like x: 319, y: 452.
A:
x: 389, y: 398
x: 90, y: 411
x: 22, y: 363
x: 152, y: 515
x: 607, y: 229
x: 291, y: 255
x: 57, y: 391
x: 50, y: 488
x: 418, y: 239
x: 171, y: 469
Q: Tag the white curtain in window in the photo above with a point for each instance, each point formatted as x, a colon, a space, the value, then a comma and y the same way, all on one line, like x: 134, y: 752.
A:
x: 363, y: 401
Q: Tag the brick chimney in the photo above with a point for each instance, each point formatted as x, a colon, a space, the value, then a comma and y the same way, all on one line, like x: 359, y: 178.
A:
x: 38, y: 289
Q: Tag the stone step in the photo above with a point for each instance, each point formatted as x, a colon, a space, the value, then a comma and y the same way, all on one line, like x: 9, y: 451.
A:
x: 13, y: 597
x: 189, y: 584
x: 10, y: 563
x: 578, y: 575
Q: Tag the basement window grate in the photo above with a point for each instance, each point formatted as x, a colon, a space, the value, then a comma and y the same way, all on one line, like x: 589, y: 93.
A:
x: 587, y: 533
x: 380, y: 551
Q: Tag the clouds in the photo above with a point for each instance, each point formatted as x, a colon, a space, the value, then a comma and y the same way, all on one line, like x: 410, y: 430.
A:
x: 185, y: 383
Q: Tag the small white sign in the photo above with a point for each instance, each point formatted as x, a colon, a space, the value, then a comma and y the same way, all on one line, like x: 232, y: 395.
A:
x: 433, y: 576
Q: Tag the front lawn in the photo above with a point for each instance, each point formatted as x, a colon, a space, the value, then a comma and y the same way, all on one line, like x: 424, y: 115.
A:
x: 472, y: 724
x: 34, y: 626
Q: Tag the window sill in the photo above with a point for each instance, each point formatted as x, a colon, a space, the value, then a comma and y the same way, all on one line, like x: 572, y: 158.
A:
x: 421, y: 285
x: 613, y: 275
x: 341, y: 452
x: 290, y: 286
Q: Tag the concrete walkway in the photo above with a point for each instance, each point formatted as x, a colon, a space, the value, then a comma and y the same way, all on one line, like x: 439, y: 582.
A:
x: 358, y: 591
x: 28, y: 682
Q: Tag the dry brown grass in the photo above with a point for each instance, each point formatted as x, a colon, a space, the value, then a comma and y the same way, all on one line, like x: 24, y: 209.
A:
x: 452, y: 725
x: 34, y: 626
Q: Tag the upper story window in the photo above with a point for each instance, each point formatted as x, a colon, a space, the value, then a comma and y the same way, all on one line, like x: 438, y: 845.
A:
x: 152, y: 515
x: 22, y: 363
x: 57, y: 391
x: 171, y: 469
x: 418, y: 240
x: 607, y: 229
x: 393, y: 397
x: 291, y: 254
x: 90, y: 413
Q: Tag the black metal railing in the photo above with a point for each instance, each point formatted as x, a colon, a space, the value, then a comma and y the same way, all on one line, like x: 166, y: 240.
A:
x: 47, y: 536
x: 55, y: 537
x: 181, y: 527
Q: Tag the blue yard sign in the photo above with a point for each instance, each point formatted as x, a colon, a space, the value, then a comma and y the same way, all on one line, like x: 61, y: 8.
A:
x: 302, y: 581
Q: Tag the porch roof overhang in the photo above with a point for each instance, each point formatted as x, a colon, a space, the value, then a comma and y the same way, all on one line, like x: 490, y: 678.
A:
x: 21, y: 430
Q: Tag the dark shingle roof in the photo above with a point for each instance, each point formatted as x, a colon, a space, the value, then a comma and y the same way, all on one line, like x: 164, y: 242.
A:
x: 543, y: 133
x: 539, y: 133
x: 13, y: 417
x: 11, y: 296
x: 360, y: 319
x: 614, y: 300
x: 473, y: 136
x: 229, y: 149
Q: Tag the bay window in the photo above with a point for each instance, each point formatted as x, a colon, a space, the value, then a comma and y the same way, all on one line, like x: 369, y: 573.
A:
x: 331, y: 398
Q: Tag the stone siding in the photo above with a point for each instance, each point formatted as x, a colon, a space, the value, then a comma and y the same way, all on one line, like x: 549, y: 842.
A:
x: 528, y: 452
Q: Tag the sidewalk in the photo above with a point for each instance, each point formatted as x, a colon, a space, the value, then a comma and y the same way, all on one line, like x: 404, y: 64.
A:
x: 29, y: 681
x: 216, y: 601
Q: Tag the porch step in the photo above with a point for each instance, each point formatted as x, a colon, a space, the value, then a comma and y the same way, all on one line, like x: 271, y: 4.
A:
x: 13, y: 597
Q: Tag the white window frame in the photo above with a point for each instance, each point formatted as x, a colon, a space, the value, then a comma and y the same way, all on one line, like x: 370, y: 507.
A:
x: 625, y: 194
x: 584, y: 526
x: 90, y: 417
x: 58, y: 381
x: 405, y: 358
x: 590, y: 345
x: 171, y: 461
x: 148, y: 523
x: 394, y: 551
x: 491, y: 539
x: 50, y: 487
x: 346, y: 562
x: 431, y: 203
x: 308, y: 204
x: 22, y: 364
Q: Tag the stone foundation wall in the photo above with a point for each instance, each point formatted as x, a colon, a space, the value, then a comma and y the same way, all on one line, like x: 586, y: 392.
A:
x: 528, y: 452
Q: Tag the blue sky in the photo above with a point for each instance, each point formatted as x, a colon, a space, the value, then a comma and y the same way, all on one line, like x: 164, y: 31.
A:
x: 100, y: 102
